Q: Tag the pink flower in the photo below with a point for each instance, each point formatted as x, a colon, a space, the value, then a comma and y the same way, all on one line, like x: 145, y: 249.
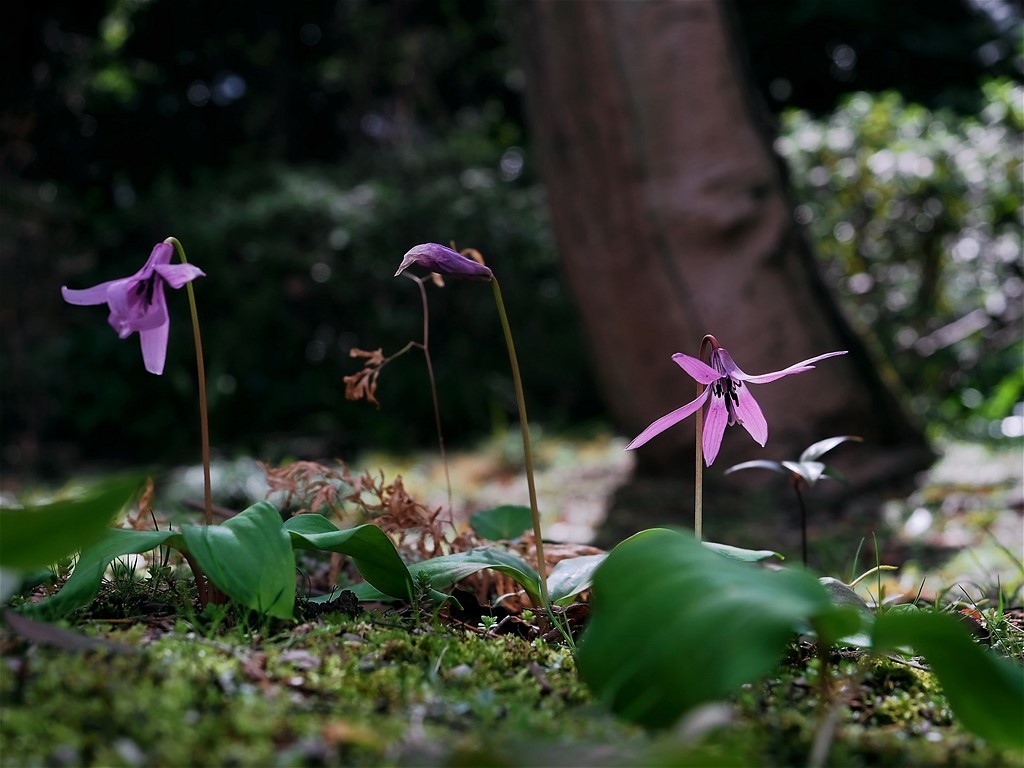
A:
x: 730, y: 399
x: 137, y: 303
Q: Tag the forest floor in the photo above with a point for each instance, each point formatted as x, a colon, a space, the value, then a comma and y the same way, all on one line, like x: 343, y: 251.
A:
x: 142, y: 678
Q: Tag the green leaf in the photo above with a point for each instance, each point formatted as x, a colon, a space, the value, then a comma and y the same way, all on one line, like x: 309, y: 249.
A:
x: 986, y: 692
x: 743, y: 555
x: 249, y: 558
x: 43, y: 534
x: 674, y: 625
x: 371, y: 550
x: 499, y: 523
x: 87, y: 576
x: 571, y: 576
x: 446, y: 570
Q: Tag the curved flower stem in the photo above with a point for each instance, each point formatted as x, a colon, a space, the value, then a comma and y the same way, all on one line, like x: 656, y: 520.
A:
x: 527, y: 455
x: 204, y: 426
x: 708, y: 343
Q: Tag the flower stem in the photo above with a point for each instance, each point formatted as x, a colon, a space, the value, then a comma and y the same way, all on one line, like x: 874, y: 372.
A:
x: 708, y: 342
x: 204, y: 424
x: 433, y: 391
x: 527, y: 455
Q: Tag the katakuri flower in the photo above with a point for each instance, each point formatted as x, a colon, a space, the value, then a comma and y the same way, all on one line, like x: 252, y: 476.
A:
x: 730, y: 399
x: 137, y: 303
x: 444, y: 261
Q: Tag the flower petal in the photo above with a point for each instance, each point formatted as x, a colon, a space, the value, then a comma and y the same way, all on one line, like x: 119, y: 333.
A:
x: 160, y: 255
x: 89, y: 296
x: 443, y: 260
x: 698, y: 370
x: 130, y: 313
x: 669, y: 420
x: 764, y: 378
x: 154, y: 347
x: 748, y: 412
x: 123, y: 298
x: 715, y: 422
x: 177, y: 275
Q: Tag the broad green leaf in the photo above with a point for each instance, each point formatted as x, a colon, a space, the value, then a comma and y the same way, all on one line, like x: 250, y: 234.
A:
x: 371, y: 550
x: 985, y: 691
x: 446, y: 570
x: 743, y: 555
x: 249, y: 558
x: 499, y: 523
x: 816, y: 450
x: 85, y: 579
x: 42, y: 535
x: 571, y: 576
x: 674, y: 625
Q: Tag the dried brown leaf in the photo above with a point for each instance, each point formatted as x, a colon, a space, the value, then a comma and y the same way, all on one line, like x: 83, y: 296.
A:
x: 373, y: 357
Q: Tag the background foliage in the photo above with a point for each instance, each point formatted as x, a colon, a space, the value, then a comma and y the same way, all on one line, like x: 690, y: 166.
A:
x: 916, y: 216
x: 297, y: 151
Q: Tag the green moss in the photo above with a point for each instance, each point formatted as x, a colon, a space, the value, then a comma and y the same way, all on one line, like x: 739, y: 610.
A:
x: 335, y: 692
x: 346, y: 691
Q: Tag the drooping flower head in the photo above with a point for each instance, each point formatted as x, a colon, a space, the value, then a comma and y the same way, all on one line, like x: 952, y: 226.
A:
x: 444, y: 261
x: 728, y: 397
x: 137, y: 303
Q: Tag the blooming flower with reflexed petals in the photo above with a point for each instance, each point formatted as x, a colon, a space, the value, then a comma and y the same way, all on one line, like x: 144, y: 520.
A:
x: 137, y: 303
x: 730, y: 399
x: 444, y: 261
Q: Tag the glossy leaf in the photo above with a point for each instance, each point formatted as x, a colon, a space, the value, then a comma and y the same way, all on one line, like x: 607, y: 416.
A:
x: 743, y: 555
x: 87, y: 576
x: 674, y: 625
x: 500, y: 523
x: 571, y: 576
x: 773, y: 466
x: 249, y: 558
x: 985, y: 692
x: 816, y: 450
x: 42, y: 535
x: 445, y: 571
x: 372, y: 552
x: 856, y: 635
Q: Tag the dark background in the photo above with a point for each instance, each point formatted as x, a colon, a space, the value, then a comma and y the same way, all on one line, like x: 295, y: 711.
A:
x: 298, y: 150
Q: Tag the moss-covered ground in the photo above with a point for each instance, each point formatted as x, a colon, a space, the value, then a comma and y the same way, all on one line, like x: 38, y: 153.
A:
x: 376, y: 689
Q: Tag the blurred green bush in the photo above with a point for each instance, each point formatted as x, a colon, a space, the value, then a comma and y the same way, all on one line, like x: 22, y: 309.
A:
x: 916, y: 216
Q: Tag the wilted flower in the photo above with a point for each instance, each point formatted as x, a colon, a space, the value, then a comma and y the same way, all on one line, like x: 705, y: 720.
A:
x: 730, y: 400
x: 444, y: 261
x: 137, y: 303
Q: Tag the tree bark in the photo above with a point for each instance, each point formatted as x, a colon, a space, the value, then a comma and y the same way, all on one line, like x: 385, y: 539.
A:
x: 673, y: 218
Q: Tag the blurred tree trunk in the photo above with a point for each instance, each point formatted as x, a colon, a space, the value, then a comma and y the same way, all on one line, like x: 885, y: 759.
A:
x: 673, y: 217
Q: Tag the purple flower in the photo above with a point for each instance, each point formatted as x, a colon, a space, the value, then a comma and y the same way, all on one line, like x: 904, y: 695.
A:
x: 731, y: 400
x: 444, y: 261
x: 137, y: 303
